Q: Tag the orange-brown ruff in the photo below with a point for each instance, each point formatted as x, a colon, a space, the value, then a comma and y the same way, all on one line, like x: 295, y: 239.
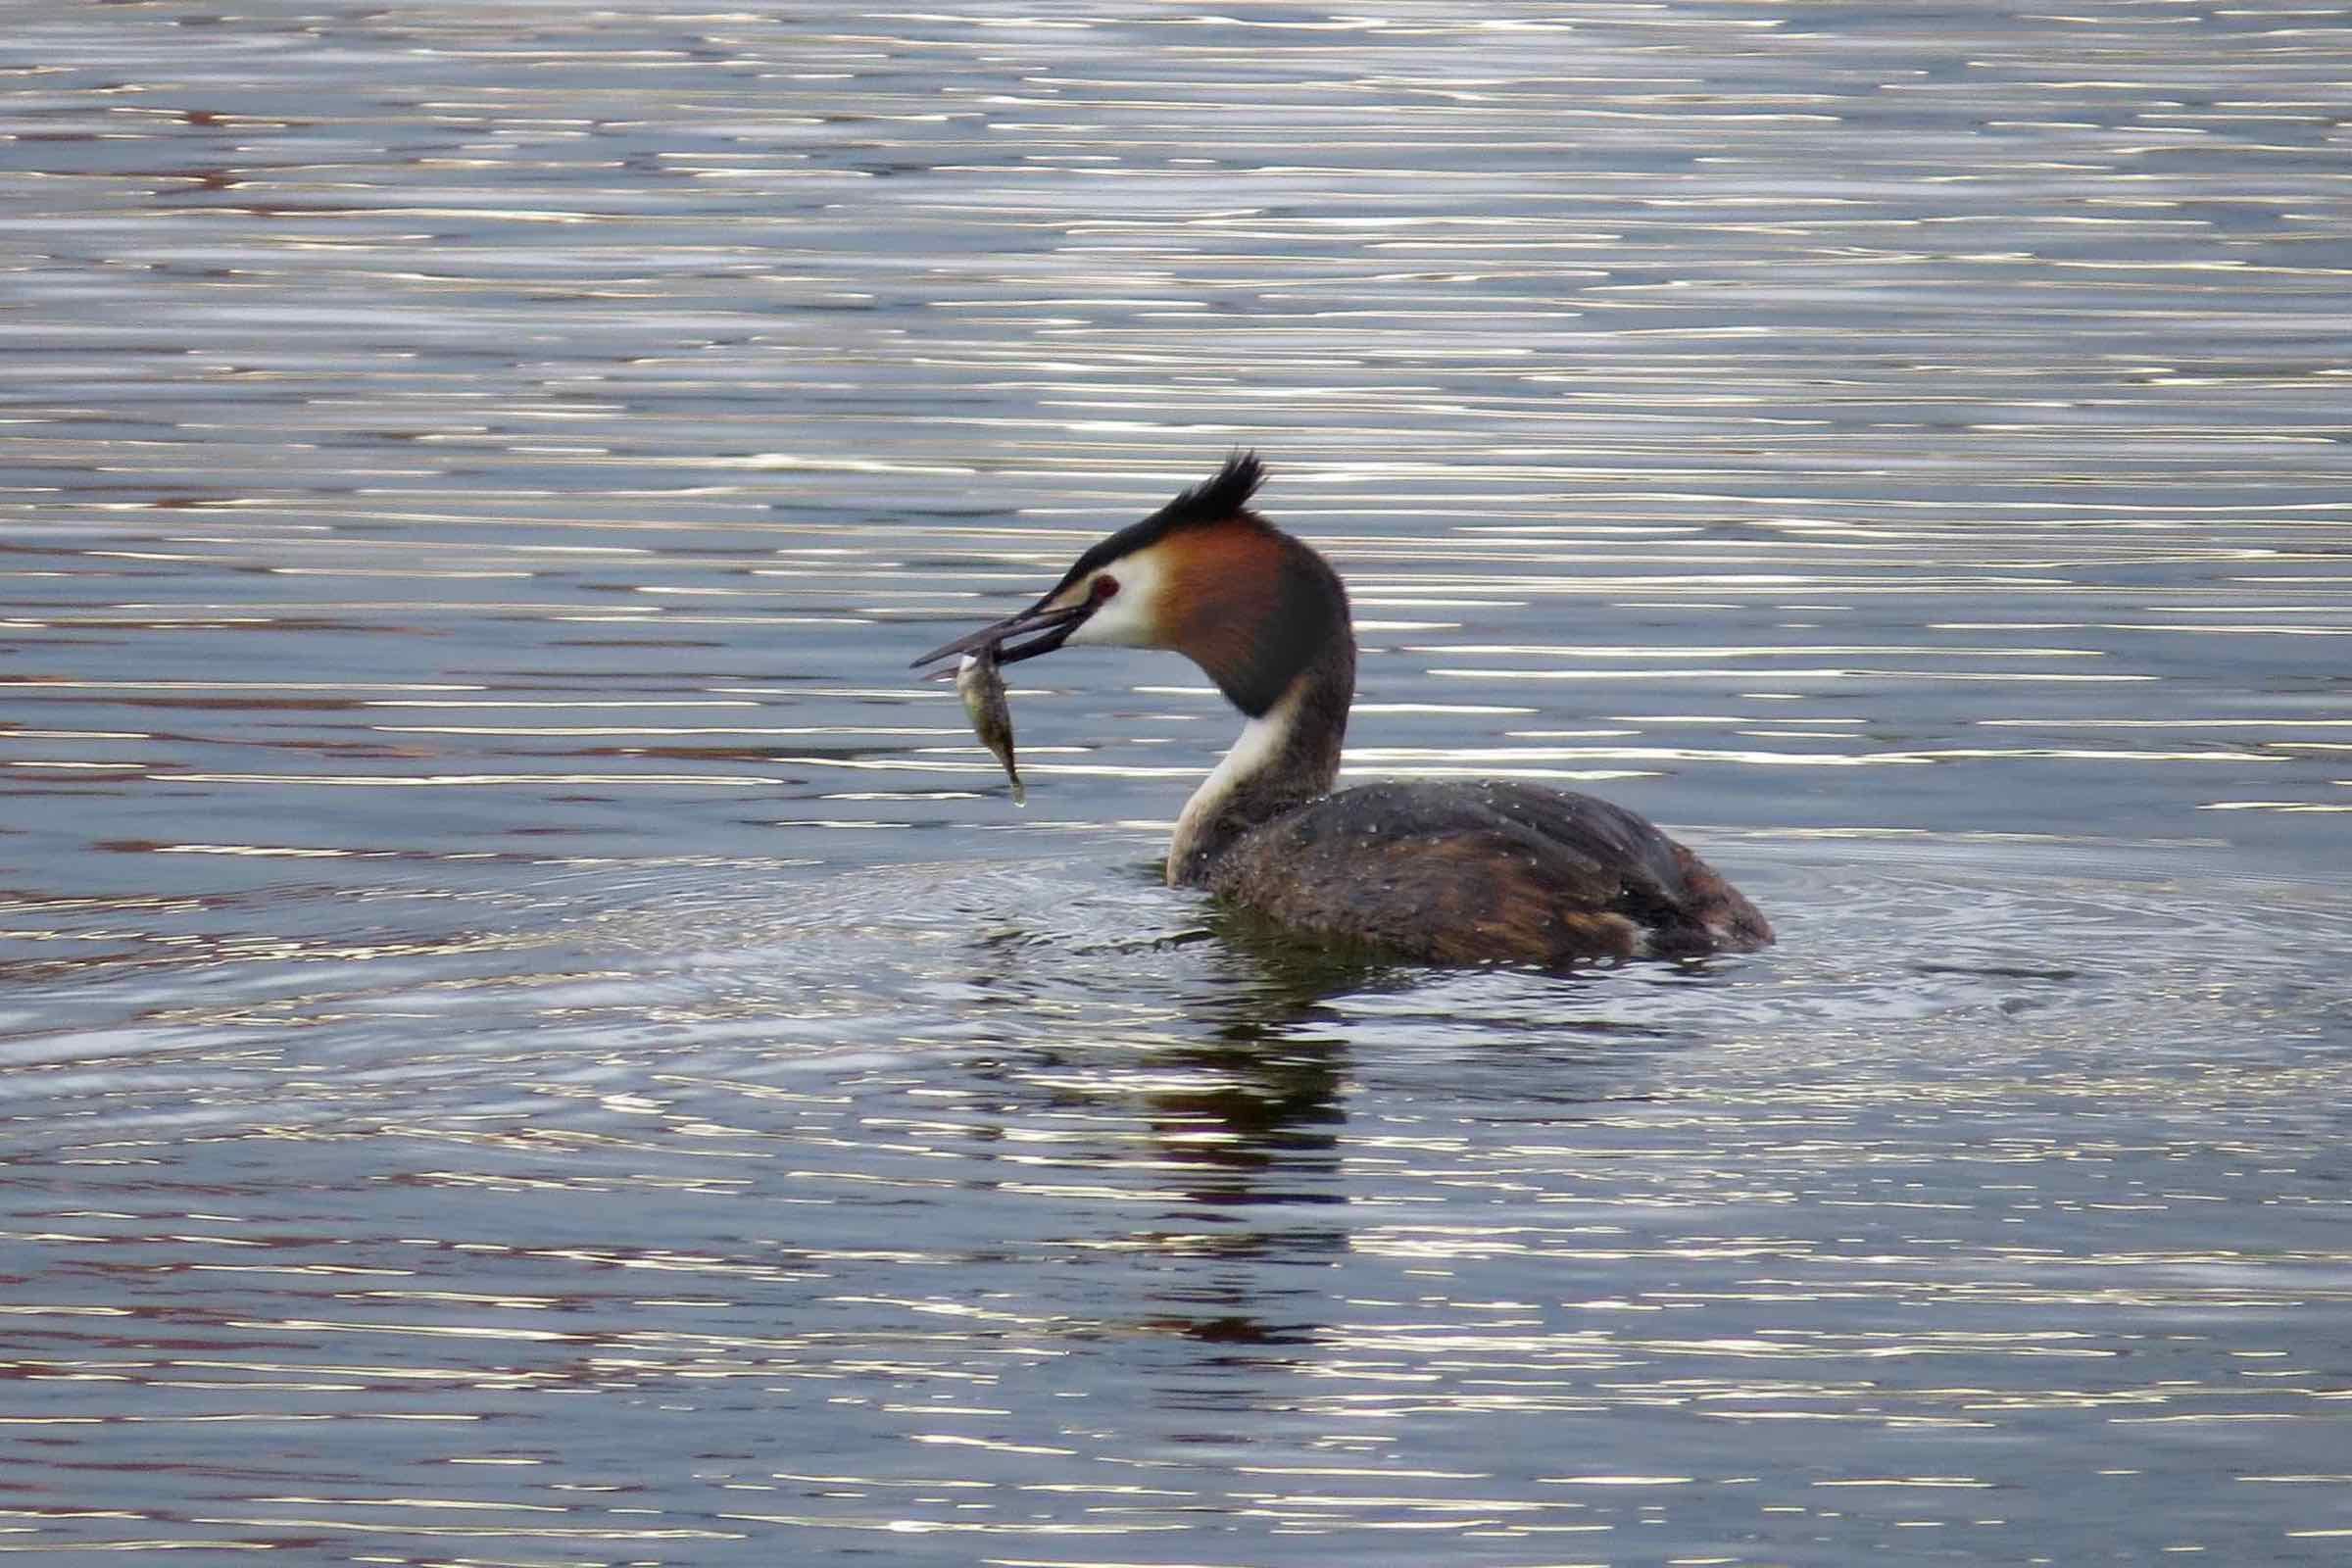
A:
x: 1444, y: 873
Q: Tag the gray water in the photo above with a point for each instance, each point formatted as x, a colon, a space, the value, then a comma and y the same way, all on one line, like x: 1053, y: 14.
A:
x: 531, y: 1040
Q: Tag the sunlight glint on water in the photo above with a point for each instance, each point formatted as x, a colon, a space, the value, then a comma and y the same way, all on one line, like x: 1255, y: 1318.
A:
x: 534, y: 1040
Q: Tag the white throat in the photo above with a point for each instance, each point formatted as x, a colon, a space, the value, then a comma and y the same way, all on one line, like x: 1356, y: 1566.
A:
x: 1256, y: 749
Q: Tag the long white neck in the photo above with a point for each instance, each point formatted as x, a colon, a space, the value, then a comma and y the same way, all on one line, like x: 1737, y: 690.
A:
x: 1285, y: 757
x: 1254, y: 750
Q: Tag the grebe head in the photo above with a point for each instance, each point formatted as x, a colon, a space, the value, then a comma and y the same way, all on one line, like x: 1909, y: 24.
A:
x: 1204, y: 576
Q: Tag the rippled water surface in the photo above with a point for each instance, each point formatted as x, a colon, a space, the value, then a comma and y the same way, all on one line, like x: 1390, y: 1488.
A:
x: 530, y: 1039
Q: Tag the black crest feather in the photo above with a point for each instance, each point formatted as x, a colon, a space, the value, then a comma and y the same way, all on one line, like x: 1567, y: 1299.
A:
x: 1221, y: 498
x: 1217, y: 497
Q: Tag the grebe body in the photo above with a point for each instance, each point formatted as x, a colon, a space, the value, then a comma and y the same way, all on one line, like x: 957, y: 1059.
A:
x: 1453, y: 872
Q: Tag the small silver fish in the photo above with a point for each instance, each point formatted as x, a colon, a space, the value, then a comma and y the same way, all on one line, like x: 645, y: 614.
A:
x: 981, y: 685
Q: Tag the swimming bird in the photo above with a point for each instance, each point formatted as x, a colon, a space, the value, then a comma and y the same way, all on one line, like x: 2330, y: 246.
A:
x: 1440, y: 872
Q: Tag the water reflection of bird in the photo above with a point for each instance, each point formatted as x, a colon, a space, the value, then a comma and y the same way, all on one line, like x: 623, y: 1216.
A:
x: 1456, y: 872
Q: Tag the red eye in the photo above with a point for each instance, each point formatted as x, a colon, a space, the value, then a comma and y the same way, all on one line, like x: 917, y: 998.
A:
x: 1104, y: 588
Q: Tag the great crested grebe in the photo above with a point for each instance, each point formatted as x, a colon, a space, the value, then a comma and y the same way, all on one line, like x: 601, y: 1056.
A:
x: 1444, y: 873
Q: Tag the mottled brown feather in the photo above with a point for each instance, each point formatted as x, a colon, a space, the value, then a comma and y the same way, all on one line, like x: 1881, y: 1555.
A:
x: 1473, y: 872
